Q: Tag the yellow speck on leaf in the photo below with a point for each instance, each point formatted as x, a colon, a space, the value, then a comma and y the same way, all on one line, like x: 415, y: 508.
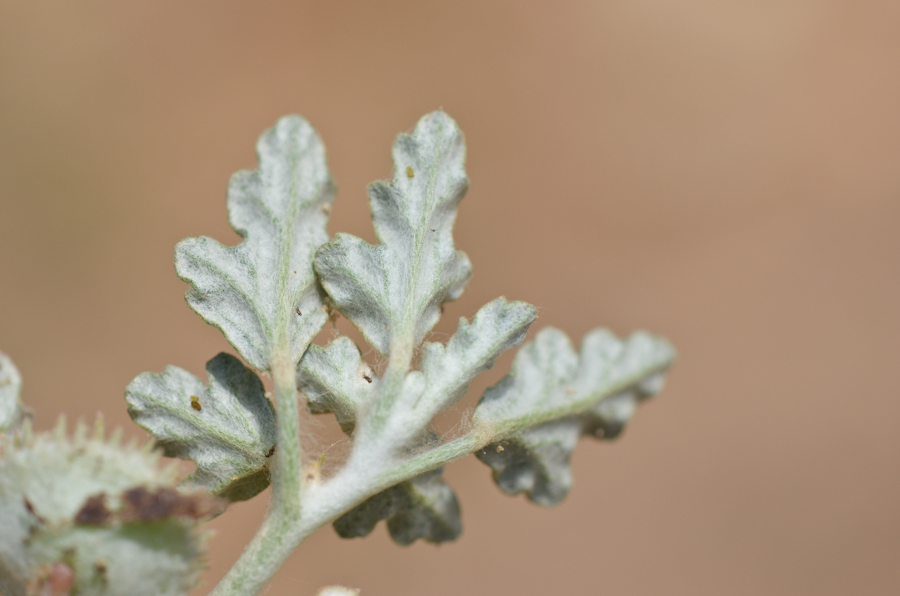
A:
x: 409, y: 171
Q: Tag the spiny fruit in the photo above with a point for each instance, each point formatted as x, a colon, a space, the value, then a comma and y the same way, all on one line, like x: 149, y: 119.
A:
x: 88, y: 516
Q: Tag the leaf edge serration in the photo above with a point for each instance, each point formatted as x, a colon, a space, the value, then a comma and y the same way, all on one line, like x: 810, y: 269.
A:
x: 186, y: 417
x: 357, y: 275
x: 298, y: 312
x: 593, y: 393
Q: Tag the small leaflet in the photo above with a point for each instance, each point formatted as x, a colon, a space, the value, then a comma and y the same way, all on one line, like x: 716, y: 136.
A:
x: 11, y: 410
x: 262, y: 294
x: 497, y: 326
x: 448, y: 369
x: 335, y: 379
x: 227, y: 428
x: 423, y: 507
x: 393, y: 291
x: 553, y: 396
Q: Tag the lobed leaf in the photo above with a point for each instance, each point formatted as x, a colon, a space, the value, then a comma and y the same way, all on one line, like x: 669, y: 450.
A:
x: 262, y: 294
x: 12, y: 412
x: 423, y: 507
x: 227, y: 428
x: 553, y: 396
x: 393, y: 291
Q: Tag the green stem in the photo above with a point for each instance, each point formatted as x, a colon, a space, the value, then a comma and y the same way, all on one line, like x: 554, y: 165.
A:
x: 278, y: 535
x: 391, y: 384
x: 288, y: 469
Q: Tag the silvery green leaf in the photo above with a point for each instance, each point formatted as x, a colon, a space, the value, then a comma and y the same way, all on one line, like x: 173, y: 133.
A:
x: 535, y: 461
x: 11, y: 410
x: 473, y: 349
x: 336, y: 379
x: 262, y: 293
x: 423, y: 507
x: 448, y: 369
x: 608, y: 418
x: 553, y: 396
x: 393, y: 291
x: 227, y: 428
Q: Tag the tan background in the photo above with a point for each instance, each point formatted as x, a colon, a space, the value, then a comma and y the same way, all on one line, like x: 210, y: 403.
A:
x: 724, y: 173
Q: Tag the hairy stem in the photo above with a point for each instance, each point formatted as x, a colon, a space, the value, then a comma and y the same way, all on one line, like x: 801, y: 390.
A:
x: 401, y: 354
x: 285, y: 528
x: 482, y: 435
x: 287, y: 473
x: 278, y: 535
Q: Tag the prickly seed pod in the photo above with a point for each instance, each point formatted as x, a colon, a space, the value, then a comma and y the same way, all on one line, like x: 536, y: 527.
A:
x: 85, y: 515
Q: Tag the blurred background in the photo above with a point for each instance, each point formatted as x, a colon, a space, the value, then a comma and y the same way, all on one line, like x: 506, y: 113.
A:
x: 722, y: 173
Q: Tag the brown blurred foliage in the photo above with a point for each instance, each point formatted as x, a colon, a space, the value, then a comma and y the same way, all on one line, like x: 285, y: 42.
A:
x: 723, y: 173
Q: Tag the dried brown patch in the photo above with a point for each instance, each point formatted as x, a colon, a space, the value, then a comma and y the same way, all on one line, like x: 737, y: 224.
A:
x: 94, y: 511
x: 31, y: 510
x: 145, y: 505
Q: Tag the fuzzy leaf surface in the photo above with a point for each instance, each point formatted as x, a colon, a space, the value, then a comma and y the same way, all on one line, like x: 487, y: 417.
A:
x: 229, y: 437
x: 393, y: 291
x: 553, y: 396
x: 448, y: 369
x: 423, y: 507
x: 335, y: 379
x: 262, y: 293
x: 11, y: 410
